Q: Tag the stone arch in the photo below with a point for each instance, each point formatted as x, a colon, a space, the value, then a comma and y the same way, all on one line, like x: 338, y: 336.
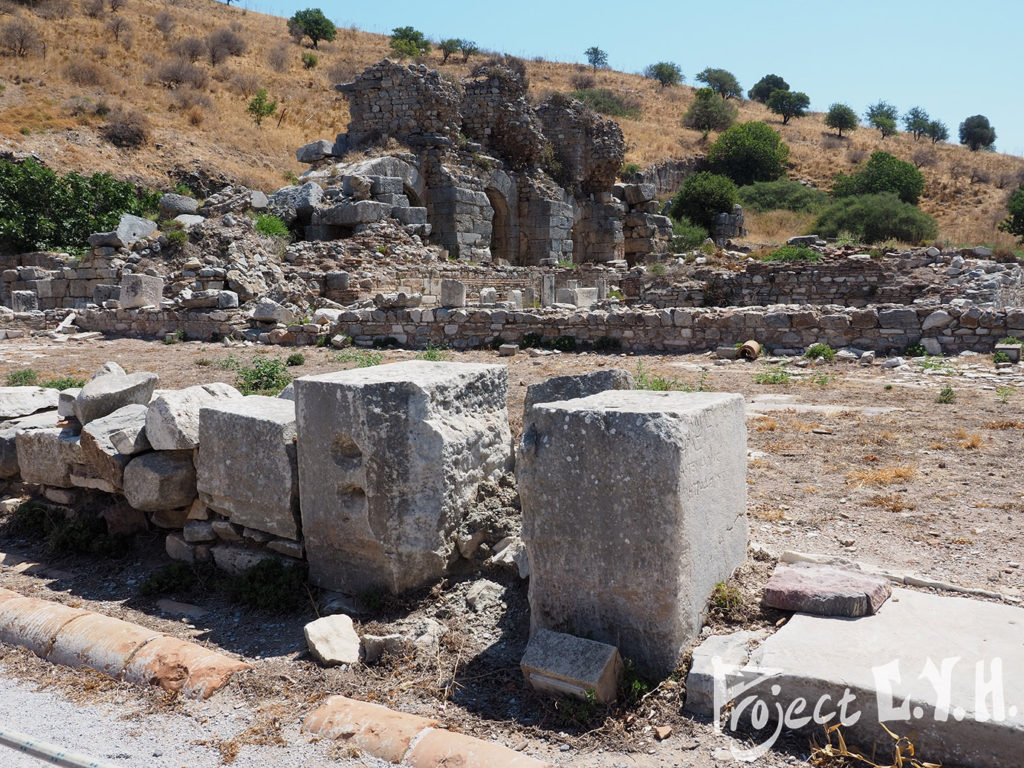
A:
x: 503, y: 197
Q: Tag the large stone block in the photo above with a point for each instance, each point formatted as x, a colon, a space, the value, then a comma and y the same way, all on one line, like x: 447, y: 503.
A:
x: 573, y: 386
x: 155, y: 482
x: 105, y: 394
x: 8, y: 433
x: 633, y: 509
x: 16, y: 402
x: 141, y: 291
x: 247, y: 465
x: 453, y: 293
x: 389, y: 458
x: 98, y: 450
x: 46, y: 456
x: 172, y: 423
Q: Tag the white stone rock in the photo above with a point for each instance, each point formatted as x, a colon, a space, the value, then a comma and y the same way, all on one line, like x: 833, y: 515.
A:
x: 16, y: 402
x: 333, y: 640
x: 173, y: 420
x: 160, y: 481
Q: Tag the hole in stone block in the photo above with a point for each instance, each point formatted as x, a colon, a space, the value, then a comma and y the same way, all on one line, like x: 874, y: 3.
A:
x: 351, y: 501
x: 346, y: 453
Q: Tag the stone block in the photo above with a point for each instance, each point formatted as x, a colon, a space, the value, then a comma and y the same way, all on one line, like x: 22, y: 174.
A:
x: 24, y: 301
x: 8, y: 438
x: 105, y: 394
x: 453, y: 293
x: 247, y: 467
x: 389, y: 458
x: 573, y: 386
x: 16, y: 402
x: 172, y: 423
x: 488, y: 297
x: 141, y: 291
x: 102, y: 293
x: 825, y: 590
x: 172, y: 205
x: 47, y: 455
x: 407, y: 215
x: 604, y: 559
x: 332, y: 640
x: 98, y: 449
x: 314, y: 151
x: 565, y: 665
x: 160, y: 481
x: 350, y: 214
x: 637, y: 194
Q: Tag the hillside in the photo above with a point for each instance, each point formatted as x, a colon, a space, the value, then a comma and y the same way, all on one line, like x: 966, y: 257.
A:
x: 86, y: 62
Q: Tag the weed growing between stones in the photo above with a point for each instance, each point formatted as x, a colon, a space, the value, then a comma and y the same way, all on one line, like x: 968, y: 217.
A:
x: 819, y: 350
x: 295, y: 358
x: 64, y: 382
x: 270, y: 585
x: 938, y: 364
x: 27, y: 377
x: 1004, y: 394
x: 947, y: 395
x: 173, y: 578
x: 264, y: 376
x: 433, y: 354
x: 645, y: 380
x: 838, y: 755
x: 900, y: 473
x: 1000, y: 357
x: 64, y: 535
x: 363, y: 358
x: 775, y: 374
x: 725, y: 599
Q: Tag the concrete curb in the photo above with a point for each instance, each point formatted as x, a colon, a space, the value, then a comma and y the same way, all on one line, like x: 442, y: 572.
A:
x: 121, y: 650
x: 408, y: 739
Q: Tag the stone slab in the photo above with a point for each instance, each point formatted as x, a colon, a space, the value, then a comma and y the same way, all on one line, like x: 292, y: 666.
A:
x: 46, y: 456
x: 332, y: 640
x: 8, y: 434
x: 141, y: 291
x: 562, y: 664
x: 572, y: 386
x: 98, y: 450
x: 105, y: 394
x: 825, y: 590
x: 172, y: 423
x: 633, y: 509
x: 16, y: 402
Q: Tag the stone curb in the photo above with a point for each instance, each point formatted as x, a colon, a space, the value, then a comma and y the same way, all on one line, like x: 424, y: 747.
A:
x: 407, y: 739
x: 121, y: 650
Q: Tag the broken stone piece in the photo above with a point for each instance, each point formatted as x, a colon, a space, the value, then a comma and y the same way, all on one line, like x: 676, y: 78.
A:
x: 333, y: 640
x: 825, y: 590
x: 566, y: 665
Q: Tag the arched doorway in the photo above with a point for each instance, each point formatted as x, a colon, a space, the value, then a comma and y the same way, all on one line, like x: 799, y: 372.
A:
x: 501, y: 229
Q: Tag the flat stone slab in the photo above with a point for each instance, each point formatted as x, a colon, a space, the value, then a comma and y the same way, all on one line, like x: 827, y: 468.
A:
x: 563, y: 664
x: 16, y: 402
x: 949, y: 670
x: 772, y: 403
x: 825, y: 590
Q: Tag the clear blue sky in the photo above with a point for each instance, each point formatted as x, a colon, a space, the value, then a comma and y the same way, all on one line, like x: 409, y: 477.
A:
x: 955, y: 59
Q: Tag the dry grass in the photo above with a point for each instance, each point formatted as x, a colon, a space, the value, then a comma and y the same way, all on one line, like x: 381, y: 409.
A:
x: 899, y: 473
x: 968, y: 441
x: 966, y: 191
x: 765, y: 424
x: 891, y: 502
x: 999, y: 425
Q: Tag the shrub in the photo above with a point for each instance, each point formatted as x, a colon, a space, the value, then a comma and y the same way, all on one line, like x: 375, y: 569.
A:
x: 85, y: 73
x: 27, y: 377
x: 40, y: 210
x: 607, y: 102
x: 309, y: 60
x: 63, y: 382
x: 764, y: 87
x: 164, y: 23
x: 181, y: 71
x: 278, y: 58
x: 782, y: 194
x: 94, y: 9
x: 192, y: 49
x: 261, y: 107
x: 702, y: 197
x: 468, y: 48
x: 19, y: 37
x: 295, y: 359
x: 686, y: 235
x: 665, y: 72
x: 448, y: 47
x: 313, y: 24
x: 823, y: 351
x: 264, y: 376
x: 722, y: 82
x: 775, y: 374
x: 172, y: 578
x: 749, y: 152
x: 947, y: 395
x: 119, y: 27
x: 936, y: 131
x: 270, y: 585
x: 408, y: 42
x: 789, y: 104
x: 708, y: 113
x: 127, y: 129
x: 874, y: 218
x: 795, y: 253
x: 842, y: 118
x: 976, y: 133
x: 222, y: 43
x: 363, y: 358
x: 1014, y: 221
x: 882, y: 173
x: 271, y: 226
x: 582, y: 82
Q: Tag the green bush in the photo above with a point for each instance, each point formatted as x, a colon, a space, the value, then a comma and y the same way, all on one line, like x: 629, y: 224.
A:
x: 363, y: 358
x: 821, y: 350
x: 408, y: 42
x: 309, y: 60
x: 749, y: 152
x: 295, y: 358
x: 64, y: 382
x: 176, y: 577
x: 775, y: 374
x: 882, y: 173
x: 874, y: 218
x: 783, y: 194
x: 433, y: 354
x: 947, y: 395
x: 270, y: 585
x: 796, y: 253
x: 271, y: 226
x: 1014, y: 222
x: 265, y: 376
x: 41, y: 210
x: 607, y: 102
x: 686, y: 235
x: 86, y: 536
x: 27, y: 377
x: 702, y: 197
x: 709, y: 113
x: 176, y: 237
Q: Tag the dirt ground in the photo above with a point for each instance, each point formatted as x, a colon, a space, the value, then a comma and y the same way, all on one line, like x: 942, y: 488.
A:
x: 858, y: 462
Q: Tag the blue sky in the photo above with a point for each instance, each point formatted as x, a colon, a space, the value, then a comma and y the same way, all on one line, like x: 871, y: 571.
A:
x: 955, y: 59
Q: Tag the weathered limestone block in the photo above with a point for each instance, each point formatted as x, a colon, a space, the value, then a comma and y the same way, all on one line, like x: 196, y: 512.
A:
x: 160, y: 481
x: 314, y: 151
x: 172, y: 205
x: 105, y: 394
x: 24, y: 301
x: 633, y: 509
x: 141, y: 291
x: 8, y: 433
x: 172, y: 423
x: 16, y: 402
x: 269, y: 311
x: 333, y: 640
x: 247, y: 466
x: 825, y: 590
x: 563, y: 664
x: 98, y: 450
x: 46, y: 456
x: 389, y: 458
x: 573, y: 386
x: 453, y: 293
x: 350, y: 214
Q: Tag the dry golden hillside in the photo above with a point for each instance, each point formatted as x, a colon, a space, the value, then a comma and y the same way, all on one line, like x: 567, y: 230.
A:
x: 85, y: 62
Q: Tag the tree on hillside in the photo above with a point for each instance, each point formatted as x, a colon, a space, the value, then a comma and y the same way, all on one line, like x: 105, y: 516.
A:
x: 936, y: 131
x: 763, y: 88
x: 722, y: 82
x: 468, y: 48
x: 977, y: 133
x: 883, y: 117
x: 665, y: 72
x: 1014, y: 222
x: 448, y: 47
x: 408, y: 42
x: 842, y: 118
x: 596, y: 57
x: 788, y: 104
x: 261, y: 107
x: 882, y: 173
x: 749, y: 152
x: 709, y: 113
x: 313, y: 24
x: 916, y: 122
x: 702, y: 197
